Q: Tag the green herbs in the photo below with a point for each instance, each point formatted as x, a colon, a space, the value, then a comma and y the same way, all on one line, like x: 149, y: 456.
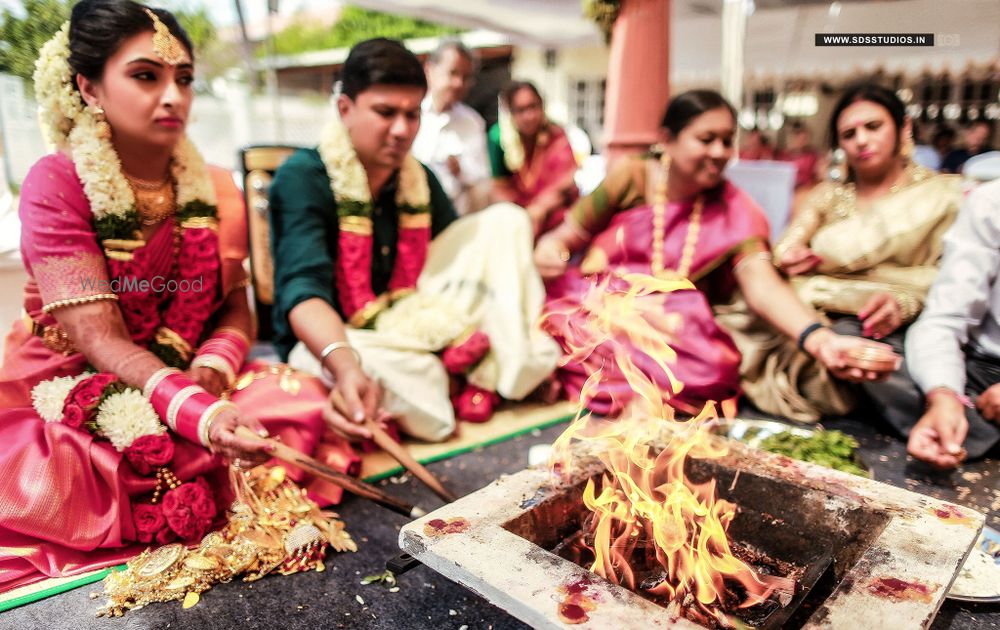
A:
x: 832, y: 449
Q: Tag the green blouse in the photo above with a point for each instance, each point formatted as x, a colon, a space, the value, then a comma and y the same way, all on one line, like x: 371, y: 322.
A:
x: 304, y: 235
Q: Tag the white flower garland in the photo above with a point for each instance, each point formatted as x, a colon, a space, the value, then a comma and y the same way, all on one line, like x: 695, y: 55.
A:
x: 510, y: 141
x: 348, y: 179
x: 428, y: 318
x: 65, y: 121
x: 122, y: 417
x: 47, y: 397
x: 58, y: 103
x: 125, y: 417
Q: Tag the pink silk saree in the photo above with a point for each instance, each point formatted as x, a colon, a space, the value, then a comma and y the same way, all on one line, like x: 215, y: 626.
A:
x: 707, y: 360
x: 65, y: 497
x: 548, y: 167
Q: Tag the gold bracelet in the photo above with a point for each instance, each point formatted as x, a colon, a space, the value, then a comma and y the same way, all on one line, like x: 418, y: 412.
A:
x: 208, y: 417
x: 217, y: 363
x: 51, y: 306
x: 766, y: 256
x: 153, y: 381
x: 175, y: 404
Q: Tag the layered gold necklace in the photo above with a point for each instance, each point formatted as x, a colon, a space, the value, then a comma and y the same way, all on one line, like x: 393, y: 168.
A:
x: 659, y: 225
x: 154, y: 200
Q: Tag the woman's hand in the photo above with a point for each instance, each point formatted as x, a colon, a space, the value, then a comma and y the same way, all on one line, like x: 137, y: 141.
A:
x: 213, y: 382
x: 227, y: 443
x: 551, y: 257
x: 354, y: 398
x: 798, y: 260
x: 833, y: 351
x: 880, y: 316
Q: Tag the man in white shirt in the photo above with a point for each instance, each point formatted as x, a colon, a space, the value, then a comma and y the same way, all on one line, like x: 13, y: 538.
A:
x: 953, y: 350
x: 452, y: 136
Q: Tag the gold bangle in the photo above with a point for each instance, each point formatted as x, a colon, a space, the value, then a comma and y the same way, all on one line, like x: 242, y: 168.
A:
x: 217, y: 363
x: 51, y: 306
x: 208, y: 417
x: 153, y: 381
x: 175, y: 404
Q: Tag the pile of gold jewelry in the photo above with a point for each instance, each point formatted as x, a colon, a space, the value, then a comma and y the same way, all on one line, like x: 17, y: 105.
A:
x: 273, y: 527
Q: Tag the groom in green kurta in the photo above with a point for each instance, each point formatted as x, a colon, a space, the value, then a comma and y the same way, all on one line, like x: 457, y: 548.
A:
x: 352, y: 225
x: 304, y: 237
x: 382, y: 88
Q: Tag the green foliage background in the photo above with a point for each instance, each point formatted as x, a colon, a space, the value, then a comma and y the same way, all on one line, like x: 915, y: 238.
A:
x: 21, y: 37
x: 354, y: 25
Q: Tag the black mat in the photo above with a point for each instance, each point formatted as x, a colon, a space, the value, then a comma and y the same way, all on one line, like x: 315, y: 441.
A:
x: 425, y: 599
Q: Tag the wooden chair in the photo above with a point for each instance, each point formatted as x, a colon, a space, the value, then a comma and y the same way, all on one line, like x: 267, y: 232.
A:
x: 259, y: 164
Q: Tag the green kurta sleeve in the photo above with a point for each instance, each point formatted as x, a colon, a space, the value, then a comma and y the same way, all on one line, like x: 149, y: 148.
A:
x: 303, y: 240
x: 498, y: 168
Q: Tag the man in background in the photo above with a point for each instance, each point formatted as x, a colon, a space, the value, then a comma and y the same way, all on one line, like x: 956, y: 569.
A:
x: 452, y: 136
x: 977, y: 138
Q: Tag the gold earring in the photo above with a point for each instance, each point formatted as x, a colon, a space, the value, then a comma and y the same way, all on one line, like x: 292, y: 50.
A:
x: 906, y: 149
x: 664, y: 159
x: 103, y: 128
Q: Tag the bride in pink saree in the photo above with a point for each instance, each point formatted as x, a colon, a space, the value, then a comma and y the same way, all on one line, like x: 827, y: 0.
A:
x: 673, y: 217
x: 115, y: 435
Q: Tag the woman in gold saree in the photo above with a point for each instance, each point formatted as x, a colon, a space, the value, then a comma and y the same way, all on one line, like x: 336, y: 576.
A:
x: 862, y: 251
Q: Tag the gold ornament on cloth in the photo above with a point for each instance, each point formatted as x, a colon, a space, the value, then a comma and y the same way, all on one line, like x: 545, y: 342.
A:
x: 166, y: 46
x: 273, y: 528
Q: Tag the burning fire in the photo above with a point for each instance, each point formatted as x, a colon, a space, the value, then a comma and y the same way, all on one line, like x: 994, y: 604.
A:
x: 647, y: 513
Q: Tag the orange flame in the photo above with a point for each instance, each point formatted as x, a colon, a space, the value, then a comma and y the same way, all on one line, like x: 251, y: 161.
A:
x: 646, y: 507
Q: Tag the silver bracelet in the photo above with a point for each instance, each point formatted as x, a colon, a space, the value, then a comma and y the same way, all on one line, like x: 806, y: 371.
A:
x: 337, y: 345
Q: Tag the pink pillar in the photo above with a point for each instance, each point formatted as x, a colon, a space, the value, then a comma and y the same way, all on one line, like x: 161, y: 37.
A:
x: 638, y: 84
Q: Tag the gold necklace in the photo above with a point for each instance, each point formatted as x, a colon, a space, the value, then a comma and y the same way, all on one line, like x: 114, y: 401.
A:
x: 147, y: 184
x: 659, y: 225
x: 154, y: 201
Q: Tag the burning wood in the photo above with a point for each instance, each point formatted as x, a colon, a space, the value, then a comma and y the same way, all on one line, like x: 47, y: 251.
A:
x: 651, y: 528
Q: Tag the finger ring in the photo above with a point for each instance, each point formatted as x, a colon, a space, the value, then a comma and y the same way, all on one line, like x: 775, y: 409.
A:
x: 238, y: 463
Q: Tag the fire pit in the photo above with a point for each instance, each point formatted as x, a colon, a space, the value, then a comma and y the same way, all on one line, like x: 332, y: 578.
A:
x: 651, y: 522
x: 862, y: 553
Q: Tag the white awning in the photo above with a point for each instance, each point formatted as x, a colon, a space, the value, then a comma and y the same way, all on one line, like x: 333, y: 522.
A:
x: 780, y: 34
x: 781, y: 41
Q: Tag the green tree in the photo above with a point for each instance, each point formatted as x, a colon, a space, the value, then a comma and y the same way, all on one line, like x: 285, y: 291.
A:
x: 354, y: 25
x: 195, y: 21
x: 22, y: 37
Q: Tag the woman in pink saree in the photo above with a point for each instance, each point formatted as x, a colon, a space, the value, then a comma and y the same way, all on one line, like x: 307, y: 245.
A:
x: 673, y: 217
x: 115, y: 435
x: 532, y: 161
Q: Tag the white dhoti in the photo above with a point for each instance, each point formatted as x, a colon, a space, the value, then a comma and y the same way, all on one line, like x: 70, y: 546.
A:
x: 481, y: 270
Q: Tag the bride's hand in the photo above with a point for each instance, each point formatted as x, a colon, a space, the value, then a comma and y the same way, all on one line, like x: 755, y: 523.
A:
x: 213, y: 382
x: 225, y: 441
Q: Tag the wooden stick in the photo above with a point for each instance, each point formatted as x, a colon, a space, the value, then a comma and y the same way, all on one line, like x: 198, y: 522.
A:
x: 291, y: 456
x: 401, y: 455
x: 399, y: 452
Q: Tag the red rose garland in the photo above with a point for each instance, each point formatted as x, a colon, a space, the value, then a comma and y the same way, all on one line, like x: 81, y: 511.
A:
x: 187, y: 509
